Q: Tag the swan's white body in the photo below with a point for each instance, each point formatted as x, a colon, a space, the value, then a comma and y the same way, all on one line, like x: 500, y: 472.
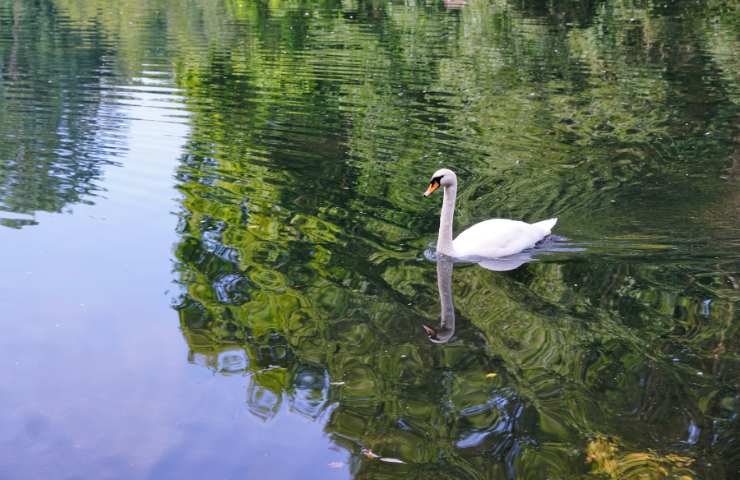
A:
x: 493, y: 238
x: 499, y: 237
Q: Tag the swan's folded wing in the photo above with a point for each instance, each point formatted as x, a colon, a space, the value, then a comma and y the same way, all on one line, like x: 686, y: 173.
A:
x: 498, y: 238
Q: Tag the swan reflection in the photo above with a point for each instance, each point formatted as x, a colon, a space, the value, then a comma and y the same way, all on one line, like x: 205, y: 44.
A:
x: 446, y: 329
x: 548, y: 245
x: 445, y: 264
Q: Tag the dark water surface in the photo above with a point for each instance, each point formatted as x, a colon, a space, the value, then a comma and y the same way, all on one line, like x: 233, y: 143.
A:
x: 212, y: 239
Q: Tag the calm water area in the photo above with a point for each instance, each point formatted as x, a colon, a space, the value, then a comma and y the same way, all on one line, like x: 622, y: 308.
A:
x: 215, y: 255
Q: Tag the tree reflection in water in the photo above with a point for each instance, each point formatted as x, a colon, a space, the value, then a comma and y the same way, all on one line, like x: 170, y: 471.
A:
x: 56, y: 112
x: 301, y: 240
x: 300, y: 237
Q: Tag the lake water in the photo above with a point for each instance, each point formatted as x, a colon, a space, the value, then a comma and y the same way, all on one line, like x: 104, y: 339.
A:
x: 212, y: 239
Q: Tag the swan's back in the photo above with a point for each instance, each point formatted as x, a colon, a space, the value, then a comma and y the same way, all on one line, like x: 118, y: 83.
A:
x: 499, y: 237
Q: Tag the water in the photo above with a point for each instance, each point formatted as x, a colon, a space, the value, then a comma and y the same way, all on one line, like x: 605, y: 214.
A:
x: 213, y: 239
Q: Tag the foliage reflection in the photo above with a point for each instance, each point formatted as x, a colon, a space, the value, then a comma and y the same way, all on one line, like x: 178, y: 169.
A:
x: 313, y: 128
x: 302, y: 232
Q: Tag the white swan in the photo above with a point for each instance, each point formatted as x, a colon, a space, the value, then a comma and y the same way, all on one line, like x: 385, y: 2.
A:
x: 489, y: 239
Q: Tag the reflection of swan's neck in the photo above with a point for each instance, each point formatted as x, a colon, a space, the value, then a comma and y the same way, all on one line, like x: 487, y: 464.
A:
x: 444, y: 282
x: 444, y: 241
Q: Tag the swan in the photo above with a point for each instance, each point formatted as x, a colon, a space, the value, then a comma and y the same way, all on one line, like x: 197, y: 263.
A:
x: 489, y: 239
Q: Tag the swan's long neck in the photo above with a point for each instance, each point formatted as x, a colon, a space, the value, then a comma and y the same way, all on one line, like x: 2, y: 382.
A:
x: 444, y: 241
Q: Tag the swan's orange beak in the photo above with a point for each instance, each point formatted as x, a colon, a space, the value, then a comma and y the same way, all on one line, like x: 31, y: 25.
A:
x: 431, y: 188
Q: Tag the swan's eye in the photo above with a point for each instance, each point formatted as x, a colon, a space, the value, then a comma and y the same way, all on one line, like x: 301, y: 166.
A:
x: 437, y: 180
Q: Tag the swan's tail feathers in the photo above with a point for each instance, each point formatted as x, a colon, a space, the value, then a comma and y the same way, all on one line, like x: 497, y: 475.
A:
x: 547, y: 225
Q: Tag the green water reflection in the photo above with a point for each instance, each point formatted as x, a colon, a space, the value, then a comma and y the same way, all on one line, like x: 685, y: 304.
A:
x: 313, y: 129
x: 51, y: 111
x: 302, y: 230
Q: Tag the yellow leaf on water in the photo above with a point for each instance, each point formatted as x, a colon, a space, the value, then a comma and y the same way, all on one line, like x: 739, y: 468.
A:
x: 491, y: 375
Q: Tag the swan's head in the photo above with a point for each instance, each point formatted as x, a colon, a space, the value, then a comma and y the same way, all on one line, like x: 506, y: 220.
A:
x: 442, y: 335
x: 444, y: 177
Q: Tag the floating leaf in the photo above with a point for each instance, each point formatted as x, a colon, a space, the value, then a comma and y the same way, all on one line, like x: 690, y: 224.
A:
x: 391, y: 460
x: 491, y: 376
